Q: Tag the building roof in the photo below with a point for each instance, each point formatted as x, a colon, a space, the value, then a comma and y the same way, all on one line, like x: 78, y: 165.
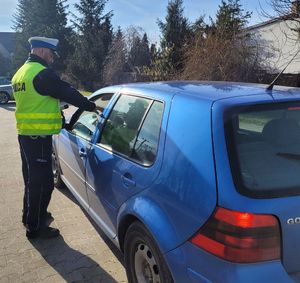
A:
x: 272, y: 21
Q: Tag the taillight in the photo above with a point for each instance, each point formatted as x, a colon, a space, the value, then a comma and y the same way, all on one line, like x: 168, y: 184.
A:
x: 240, y: 237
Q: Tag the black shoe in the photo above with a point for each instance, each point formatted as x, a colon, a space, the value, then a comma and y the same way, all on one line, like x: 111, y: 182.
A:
x: 45, y: 233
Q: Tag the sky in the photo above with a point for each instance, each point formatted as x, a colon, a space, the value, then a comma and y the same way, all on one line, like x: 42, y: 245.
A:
x: 144, y: 13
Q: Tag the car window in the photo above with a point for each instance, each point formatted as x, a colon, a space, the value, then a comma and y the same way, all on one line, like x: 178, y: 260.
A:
x: 103, y: 100
x: 146, y: 144
x: 123, y: 123
x: 133, y: 127
x: 85, y: 126
x: 264, y: 150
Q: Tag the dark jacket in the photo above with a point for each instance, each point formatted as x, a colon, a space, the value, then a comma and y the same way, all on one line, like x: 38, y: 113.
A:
x: 47, y: 82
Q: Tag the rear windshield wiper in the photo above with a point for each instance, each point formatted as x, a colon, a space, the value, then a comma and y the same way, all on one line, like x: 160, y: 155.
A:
x: 291, y: 156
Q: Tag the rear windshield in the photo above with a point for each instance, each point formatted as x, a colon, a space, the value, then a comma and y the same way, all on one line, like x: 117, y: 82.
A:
x: 263, y: 144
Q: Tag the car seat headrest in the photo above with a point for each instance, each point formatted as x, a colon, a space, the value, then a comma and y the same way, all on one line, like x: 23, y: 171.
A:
x: 281, y: 132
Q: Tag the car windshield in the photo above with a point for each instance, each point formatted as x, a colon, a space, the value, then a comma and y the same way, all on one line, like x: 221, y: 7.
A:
x: 264, y: 149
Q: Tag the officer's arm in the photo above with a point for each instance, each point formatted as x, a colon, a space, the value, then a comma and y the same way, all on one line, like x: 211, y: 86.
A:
x: 48, y: 83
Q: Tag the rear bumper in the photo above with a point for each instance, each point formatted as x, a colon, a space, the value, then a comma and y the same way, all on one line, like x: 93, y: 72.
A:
x: 190, y: 264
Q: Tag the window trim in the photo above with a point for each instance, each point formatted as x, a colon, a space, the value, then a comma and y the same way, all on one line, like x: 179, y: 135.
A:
x: 232, y: 154
x: 109, y: 149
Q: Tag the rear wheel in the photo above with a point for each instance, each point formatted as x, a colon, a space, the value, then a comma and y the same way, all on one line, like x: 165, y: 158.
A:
x: 58, y: 182
x: 143, y: 260
x: 4, y: 97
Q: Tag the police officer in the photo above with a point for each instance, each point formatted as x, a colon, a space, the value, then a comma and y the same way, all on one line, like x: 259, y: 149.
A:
x: 38, y: 91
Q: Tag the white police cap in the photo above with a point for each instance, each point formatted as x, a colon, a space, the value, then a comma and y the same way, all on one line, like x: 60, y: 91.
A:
x: 43, y: 42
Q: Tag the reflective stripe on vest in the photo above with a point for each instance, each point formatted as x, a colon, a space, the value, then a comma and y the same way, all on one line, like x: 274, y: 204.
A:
x: 35, y: 114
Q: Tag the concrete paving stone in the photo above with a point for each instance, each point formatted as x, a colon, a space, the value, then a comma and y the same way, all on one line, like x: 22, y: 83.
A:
x: 3, y: 261
x: 45, y: 272
x: 11, y: 269
x: 69, y: 228
x: 13, y: 278
x: 29, y: 277
x: 4, y: 280
x: 54, y: 208
x: 53, y: 279
x: 21, y: 259
x: 57, y: 217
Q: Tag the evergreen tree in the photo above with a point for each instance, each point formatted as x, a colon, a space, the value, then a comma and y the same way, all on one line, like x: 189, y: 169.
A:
x: 161, y: 68
x: 41, y: 18
x: 139, y: 53
x: 175, y: 32
x: 225, y: 52
x: 22, y: 27
x: 230, y: 19
x: 199, y: 27
x: 145, y: 51
x: 107, y: 32
x: 115, y: 62
x: 94, y: 38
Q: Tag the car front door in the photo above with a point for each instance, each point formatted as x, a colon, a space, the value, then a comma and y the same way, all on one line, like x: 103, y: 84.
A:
x: 127, y: 156
x: 74, y: 146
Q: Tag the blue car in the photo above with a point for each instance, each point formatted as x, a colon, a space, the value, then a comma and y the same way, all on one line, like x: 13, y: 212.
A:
x: 192, y: 181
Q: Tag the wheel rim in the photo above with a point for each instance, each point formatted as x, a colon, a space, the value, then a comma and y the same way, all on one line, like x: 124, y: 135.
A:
x: 146, y: 268
x: 55, y: 168
x: 3, y: 98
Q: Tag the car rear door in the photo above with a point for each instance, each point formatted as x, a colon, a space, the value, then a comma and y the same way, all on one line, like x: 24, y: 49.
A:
x: 258, y: 164
x: 127, y: 156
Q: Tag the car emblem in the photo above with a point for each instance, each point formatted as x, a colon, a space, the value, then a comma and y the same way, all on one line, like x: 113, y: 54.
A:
x: 295, y: 220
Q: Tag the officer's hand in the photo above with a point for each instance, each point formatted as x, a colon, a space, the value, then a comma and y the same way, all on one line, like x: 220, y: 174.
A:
x: 98, y: 109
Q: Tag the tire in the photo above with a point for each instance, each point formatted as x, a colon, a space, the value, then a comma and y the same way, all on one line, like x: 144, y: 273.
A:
x: 144, y: 262
x: 4, y: 97
x: 58, y: 182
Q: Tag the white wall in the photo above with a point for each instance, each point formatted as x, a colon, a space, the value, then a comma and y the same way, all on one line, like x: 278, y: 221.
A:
x: 281, y: 44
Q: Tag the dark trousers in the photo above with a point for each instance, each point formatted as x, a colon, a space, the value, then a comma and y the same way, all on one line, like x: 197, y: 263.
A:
x: 38, y: 179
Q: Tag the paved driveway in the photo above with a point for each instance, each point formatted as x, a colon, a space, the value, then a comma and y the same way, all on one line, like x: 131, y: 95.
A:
x: 81, y: 254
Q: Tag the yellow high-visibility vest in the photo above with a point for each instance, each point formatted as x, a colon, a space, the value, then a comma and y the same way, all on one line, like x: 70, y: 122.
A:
x: 35, y: 114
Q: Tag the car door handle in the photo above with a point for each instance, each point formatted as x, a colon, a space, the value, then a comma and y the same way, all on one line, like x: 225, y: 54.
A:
x: 127, y: 180
x: 82, y: 153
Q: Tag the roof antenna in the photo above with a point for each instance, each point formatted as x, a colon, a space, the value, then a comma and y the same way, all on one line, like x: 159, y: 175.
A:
x: 270, y: 87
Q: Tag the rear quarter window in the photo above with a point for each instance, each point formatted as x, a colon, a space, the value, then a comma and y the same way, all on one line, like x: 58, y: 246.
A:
x: 263, y: 143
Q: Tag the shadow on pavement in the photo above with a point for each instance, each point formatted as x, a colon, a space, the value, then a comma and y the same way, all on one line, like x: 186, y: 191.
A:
x: 70, y: 264
x: 65, y: 191
x: 10, y: 106
x: 117, y: 253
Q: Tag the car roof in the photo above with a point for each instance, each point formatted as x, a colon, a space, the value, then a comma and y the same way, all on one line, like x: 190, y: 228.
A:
x: 210, y: 90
